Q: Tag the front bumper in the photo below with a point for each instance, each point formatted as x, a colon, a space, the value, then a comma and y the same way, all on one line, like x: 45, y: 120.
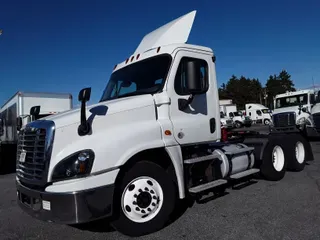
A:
x: 66, y: 208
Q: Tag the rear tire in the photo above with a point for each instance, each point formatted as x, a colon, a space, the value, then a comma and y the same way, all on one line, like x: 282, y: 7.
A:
x: 274, y: 160
x: 147, y: 197
x: 297, y: 160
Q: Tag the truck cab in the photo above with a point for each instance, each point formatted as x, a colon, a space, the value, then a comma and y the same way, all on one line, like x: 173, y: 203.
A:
x: 301, y: 104
x: 258, y: 113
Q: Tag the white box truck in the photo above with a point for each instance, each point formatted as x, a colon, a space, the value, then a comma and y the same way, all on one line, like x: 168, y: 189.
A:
x: 152, y: 142
x: 22, y: 108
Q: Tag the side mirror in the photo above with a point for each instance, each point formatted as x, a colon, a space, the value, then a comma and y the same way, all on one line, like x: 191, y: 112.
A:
x: 84, y: 95
x: 193, y: 75
x: 35, y: 110
x: 19, y: 123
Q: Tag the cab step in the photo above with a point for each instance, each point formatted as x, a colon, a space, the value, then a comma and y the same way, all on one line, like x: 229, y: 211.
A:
x: 245, y: 173
x: 202, y: 159
x: 206, y: 186
x: 240, y: 150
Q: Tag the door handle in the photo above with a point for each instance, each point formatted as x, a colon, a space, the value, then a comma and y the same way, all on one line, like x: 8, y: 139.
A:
x: 212, y: 123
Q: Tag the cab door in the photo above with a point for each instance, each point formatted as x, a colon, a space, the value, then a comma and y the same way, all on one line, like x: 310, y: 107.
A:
x: 199, y: 121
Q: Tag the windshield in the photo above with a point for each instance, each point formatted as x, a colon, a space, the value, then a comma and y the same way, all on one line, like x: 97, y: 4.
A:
x: 145, y: 77
x: 266, y: 110
x: 292, y: 101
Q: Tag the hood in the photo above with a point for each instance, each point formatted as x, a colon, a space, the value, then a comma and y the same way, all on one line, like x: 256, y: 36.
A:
x: 101, y: 109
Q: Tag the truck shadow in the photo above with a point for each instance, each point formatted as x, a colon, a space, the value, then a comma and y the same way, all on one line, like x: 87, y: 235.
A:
x: 100, y: 226
x: 8, y: 160
x: 104, y: 225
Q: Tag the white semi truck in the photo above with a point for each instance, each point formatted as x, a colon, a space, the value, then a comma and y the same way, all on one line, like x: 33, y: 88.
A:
x: 22, y: 108
x: 230, y: 111
x: 258, y: 113
x: 300, y: 103
x: 152, y: 142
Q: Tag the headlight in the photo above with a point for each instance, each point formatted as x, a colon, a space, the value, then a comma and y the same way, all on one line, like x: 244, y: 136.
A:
x: 78, y: 164
x: 301, y: 121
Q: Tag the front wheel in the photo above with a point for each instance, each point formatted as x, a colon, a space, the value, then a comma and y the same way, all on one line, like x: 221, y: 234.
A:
x: 147, y: 199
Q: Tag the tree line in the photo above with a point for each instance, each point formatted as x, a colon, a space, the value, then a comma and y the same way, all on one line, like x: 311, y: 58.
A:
x: 250, y: 90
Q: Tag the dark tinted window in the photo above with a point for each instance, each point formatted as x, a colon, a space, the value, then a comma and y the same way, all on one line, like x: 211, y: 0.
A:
x: 144, y: 77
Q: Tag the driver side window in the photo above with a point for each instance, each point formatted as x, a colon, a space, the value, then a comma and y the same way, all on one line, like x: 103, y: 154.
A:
x: 180, y: 82
x: 259, y: 112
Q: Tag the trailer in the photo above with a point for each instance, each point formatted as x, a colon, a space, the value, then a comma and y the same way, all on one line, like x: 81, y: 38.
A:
x: 22, y: 108
x: 152, y: 143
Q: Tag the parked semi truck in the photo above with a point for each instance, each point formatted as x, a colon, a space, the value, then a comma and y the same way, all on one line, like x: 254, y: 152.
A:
x: 22, y: 108
x: 152, y: 142
x: 258, y: 113
x: 300, y: 103
x: 230, y: 111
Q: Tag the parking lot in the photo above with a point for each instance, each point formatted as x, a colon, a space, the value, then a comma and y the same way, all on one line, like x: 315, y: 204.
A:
x: 288, y: 209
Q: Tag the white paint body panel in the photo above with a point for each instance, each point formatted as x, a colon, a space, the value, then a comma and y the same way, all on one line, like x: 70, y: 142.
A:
x: 193, y: 123
x: 120, y: 129
x: 176, y: 31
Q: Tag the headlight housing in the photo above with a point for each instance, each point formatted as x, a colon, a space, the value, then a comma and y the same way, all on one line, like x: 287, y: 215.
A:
x: 77, y: 165
x: 301, y: 121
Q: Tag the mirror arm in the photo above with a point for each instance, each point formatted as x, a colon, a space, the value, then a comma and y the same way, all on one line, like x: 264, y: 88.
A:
x: 84, y: 127
x: 184, y: 103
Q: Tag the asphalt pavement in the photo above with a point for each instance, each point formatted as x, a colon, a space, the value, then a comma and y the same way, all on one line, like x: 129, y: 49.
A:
x: 288, y: 209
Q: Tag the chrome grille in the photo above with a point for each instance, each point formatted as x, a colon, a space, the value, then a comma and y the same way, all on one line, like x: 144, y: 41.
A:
x: 35, y: 142
x: 229, y: 121
x: 316, y: 120
x: 284, y: 119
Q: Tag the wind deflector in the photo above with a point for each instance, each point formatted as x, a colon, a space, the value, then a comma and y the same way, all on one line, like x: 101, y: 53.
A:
x: 174, y: 32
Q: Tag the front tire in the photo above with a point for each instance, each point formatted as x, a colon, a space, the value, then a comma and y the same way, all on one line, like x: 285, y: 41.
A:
x: 274, y: 161
x: 147, y: 199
